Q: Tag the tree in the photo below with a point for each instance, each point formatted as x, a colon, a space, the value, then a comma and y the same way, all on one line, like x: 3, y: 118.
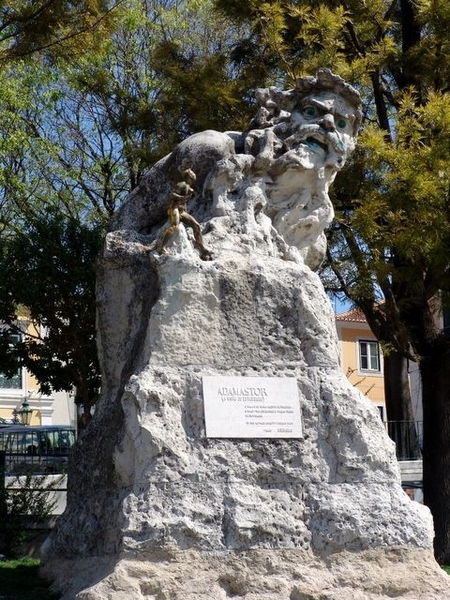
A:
x: 47, y: 274
x: 391, y: 237
x: 166, y: 75
x: 79, y: 134
x: 26, y: 503
x: 53, y: 27
x: 75, y: 138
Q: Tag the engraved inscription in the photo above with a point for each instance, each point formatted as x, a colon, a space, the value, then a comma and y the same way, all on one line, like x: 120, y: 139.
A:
x: 251, y: 407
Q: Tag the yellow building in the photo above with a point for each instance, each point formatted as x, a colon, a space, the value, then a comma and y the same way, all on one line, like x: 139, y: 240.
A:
x: 361, y: 357
x: 362, y: 362
x: 20, y: 388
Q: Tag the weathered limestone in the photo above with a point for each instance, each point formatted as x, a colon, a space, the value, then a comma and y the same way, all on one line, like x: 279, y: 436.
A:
x: 262, y: 575
x: 155, y: 508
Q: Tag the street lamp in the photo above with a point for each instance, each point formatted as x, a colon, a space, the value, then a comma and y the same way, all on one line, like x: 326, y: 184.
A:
x: 25, y: 412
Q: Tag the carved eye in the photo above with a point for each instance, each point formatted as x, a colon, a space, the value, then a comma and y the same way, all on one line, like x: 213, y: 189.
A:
x: 341, y: 123
x: 309, y: 111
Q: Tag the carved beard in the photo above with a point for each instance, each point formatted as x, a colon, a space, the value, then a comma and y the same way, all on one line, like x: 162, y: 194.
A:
x: 300, y: 208
x: 302, y: 223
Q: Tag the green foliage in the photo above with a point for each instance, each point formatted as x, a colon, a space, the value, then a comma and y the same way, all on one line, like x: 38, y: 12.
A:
x: 75, y: 138
x: 165, y: 75
x: 296, y: 38
x: 403, y: 196
x: 25, y: 503
x: 47, y: 272
x: 54, y: 28
x: 20, y: 580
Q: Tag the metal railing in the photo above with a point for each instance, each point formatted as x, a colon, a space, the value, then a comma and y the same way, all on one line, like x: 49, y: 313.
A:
x: 38, y: 450
x: 408, y: 437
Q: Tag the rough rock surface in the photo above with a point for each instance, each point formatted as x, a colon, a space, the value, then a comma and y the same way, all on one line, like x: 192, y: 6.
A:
x: 158, y: 510
x: 376, y: 574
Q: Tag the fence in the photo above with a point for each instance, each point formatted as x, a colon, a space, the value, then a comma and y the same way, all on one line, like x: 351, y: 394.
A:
x: 40, y: 450
x: 408, y: 437
x: 33, y: 483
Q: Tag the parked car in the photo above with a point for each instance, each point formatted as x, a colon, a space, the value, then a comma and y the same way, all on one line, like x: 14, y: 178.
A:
x: 41, y: 450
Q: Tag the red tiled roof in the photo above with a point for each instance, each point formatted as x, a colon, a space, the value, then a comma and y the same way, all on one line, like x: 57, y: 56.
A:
x: 355, y: 315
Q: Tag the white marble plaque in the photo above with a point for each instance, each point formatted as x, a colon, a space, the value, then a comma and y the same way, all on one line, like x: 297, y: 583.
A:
x: 251, y: 407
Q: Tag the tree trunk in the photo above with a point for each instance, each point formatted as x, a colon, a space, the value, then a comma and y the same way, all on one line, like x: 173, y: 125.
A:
x: 435, y: 372
x: 400, y: 415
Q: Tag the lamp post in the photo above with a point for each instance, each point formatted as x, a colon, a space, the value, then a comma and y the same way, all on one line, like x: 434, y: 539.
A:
x: 25, y: 412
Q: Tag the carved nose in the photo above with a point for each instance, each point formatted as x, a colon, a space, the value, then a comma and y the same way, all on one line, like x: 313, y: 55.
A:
x: 327, y: 122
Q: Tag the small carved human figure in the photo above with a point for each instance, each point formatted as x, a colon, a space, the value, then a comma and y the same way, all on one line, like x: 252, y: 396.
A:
x: 177, y: 212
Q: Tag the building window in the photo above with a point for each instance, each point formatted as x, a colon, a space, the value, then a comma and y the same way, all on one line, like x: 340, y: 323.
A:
x: 14, y: 382
x: 369, y: 356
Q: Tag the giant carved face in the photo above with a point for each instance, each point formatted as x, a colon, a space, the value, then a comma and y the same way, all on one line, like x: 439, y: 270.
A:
x: 322, y: 127
x: 313, y: 129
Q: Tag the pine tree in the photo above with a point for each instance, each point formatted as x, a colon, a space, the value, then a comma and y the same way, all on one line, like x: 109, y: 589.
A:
x: 54, y: 28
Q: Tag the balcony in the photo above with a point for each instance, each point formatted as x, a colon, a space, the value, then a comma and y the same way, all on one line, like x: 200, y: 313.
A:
x: 408, y: 437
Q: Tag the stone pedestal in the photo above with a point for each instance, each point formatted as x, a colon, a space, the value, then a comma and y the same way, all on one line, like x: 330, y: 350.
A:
x: 171, y: 513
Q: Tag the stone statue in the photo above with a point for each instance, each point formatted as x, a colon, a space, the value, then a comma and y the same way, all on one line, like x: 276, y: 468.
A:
x: 157, y: 505
x: 303, y: 138
x: 286, y: 161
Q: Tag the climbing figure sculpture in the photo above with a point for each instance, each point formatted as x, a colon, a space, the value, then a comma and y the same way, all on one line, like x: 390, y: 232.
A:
x: 177, y: 212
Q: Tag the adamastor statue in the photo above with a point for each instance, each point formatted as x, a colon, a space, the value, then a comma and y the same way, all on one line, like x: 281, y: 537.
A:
x: 282, y: 166
x: 209, y: 313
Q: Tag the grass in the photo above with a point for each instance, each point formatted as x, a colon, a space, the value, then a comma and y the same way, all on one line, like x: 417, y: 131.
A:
x: 19, y: 580
x: 447, y: 570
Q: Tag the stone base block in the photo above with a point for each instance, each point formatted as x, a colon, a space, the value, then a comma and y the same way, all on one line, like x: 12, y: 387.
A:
x: 376, y: 574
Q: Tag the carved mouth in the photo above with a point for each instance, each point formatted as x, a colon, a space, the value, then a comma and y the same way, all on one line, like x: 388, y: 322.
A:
x: 316, y: 144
